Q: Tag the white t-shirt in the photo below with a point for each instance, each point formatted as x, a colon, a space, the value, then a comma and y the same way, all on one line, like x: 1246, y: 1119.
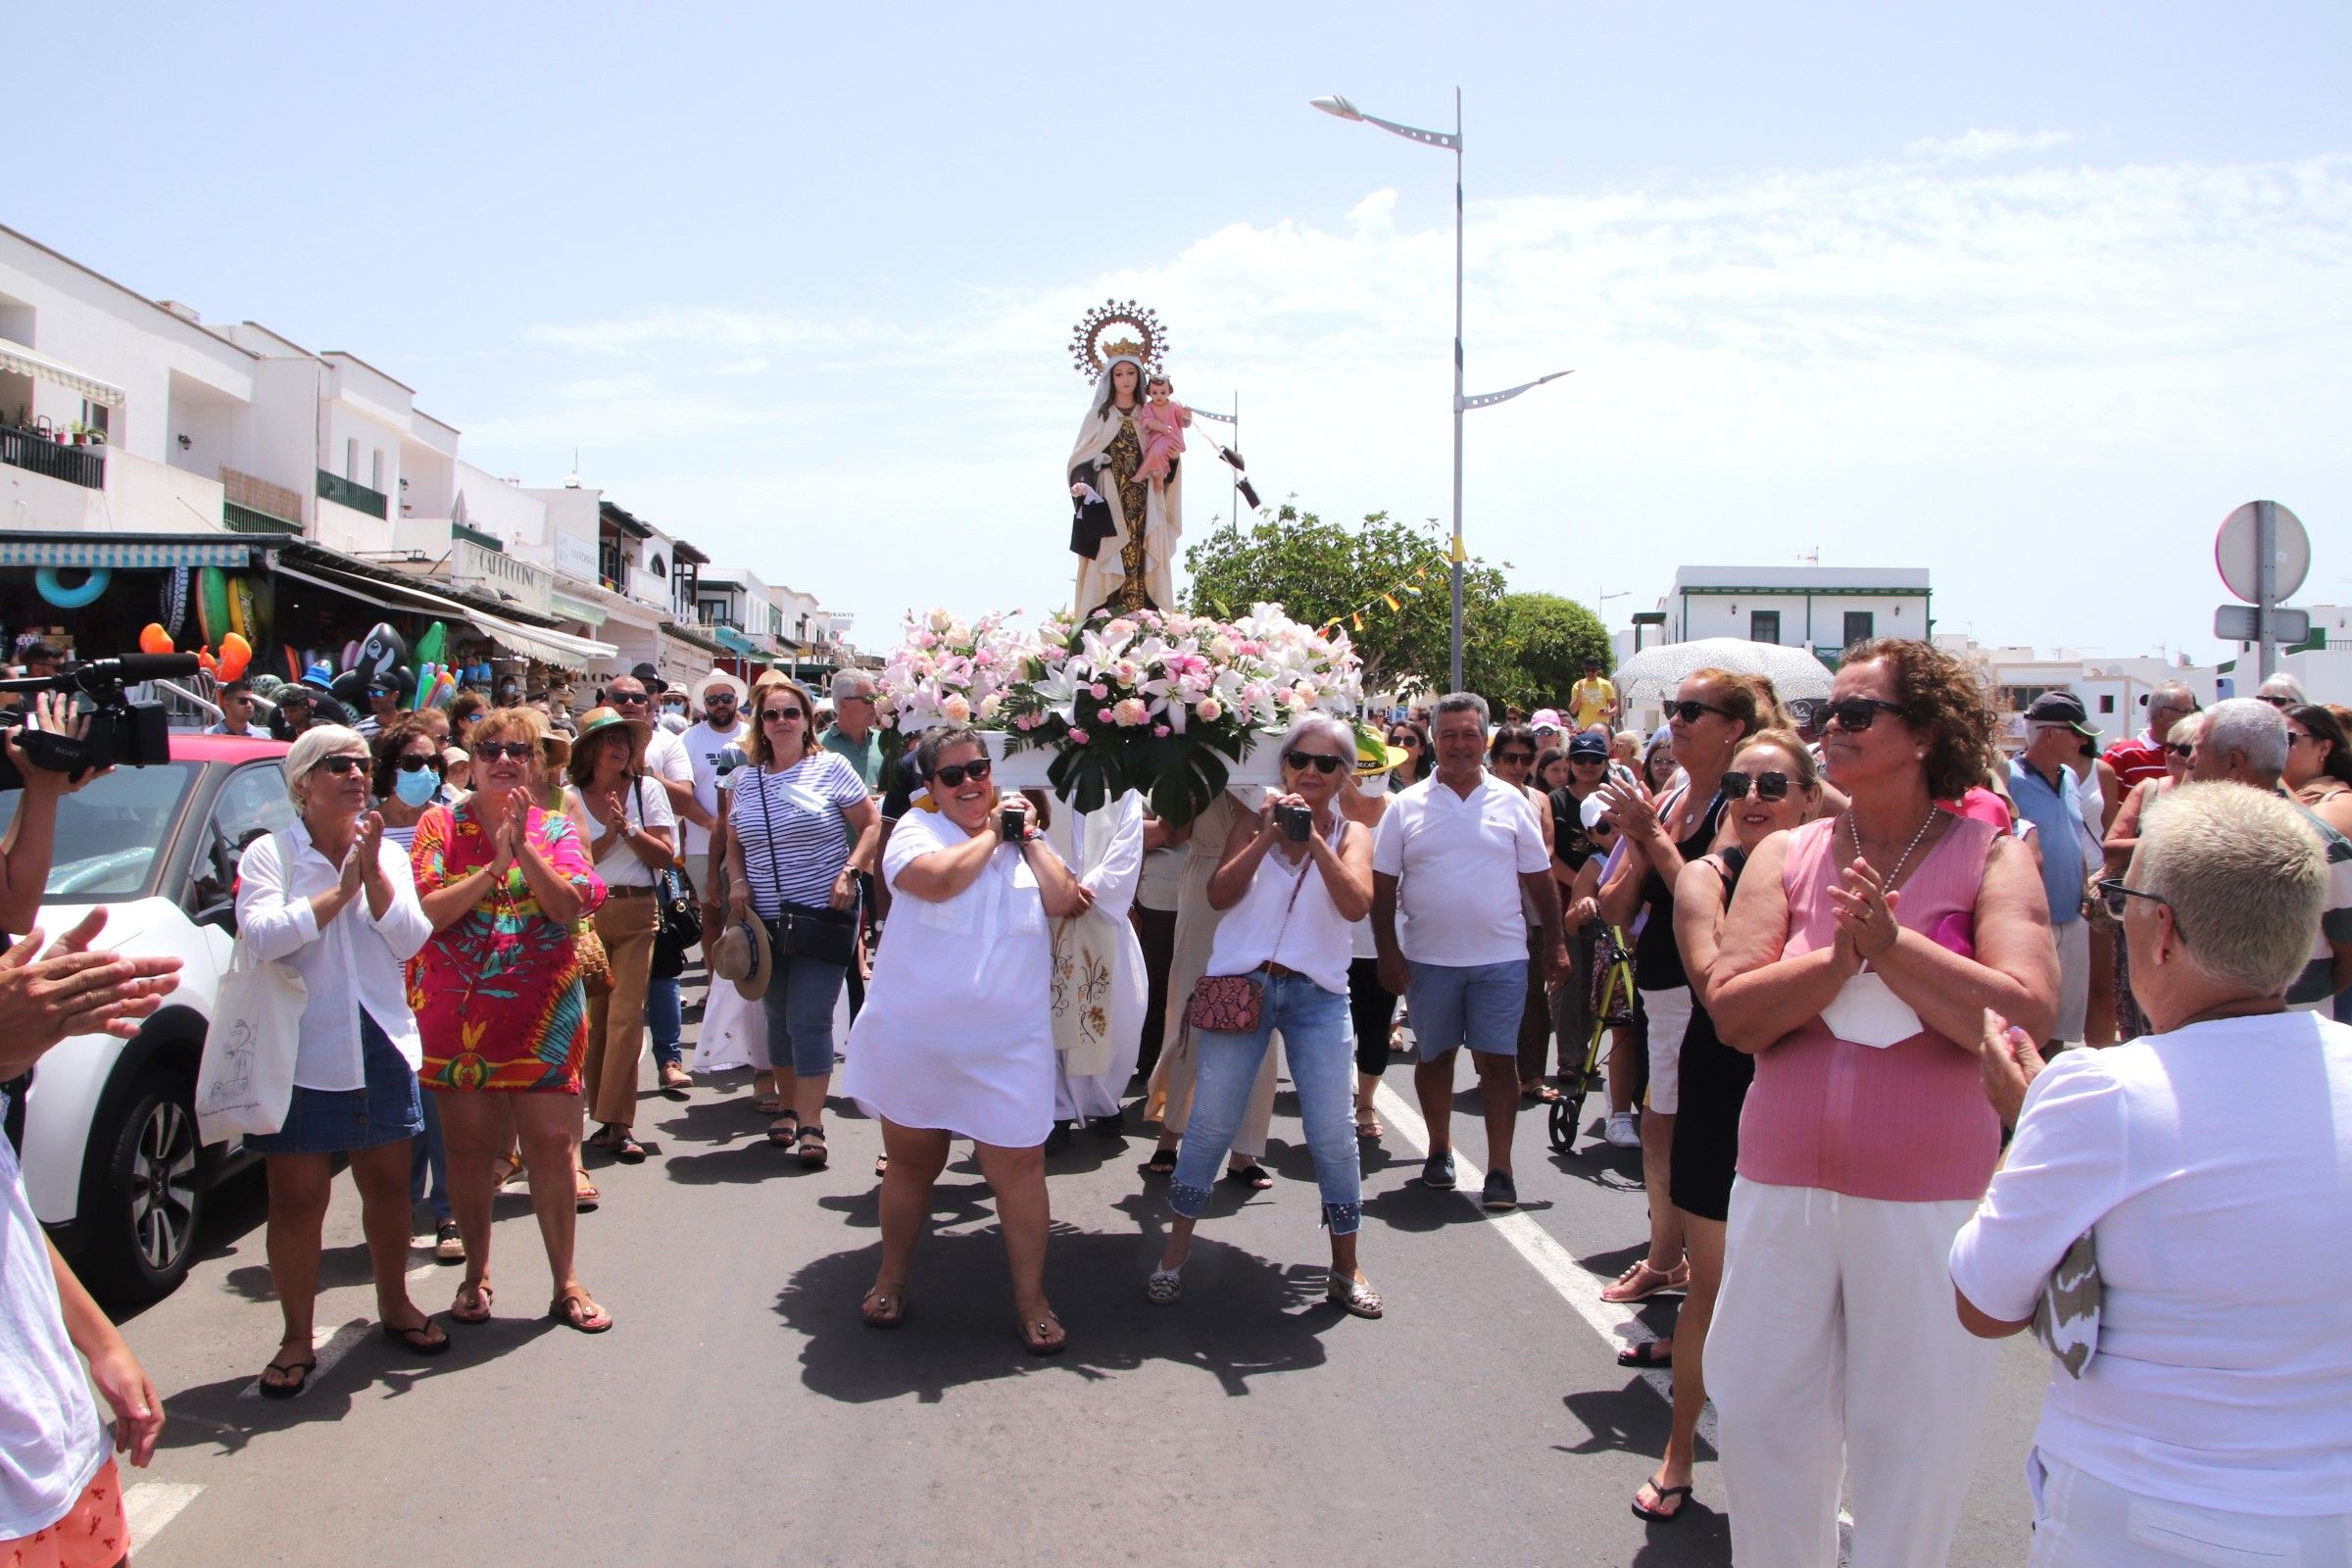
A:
x: 647, y: 805
x: 1457, y: 865
x: 51, y: 1441
x: 2214, y: 1163
x: 701, y: 744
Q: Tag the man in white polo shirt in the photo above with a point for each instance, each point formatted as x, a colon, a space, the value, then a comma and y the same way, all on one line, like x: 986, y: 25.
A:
x: 1454, y: 853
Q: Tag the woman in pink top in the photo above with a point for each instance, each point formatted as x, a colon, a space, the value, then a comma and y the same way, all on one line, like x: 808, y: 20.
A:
x: 1858, y: 961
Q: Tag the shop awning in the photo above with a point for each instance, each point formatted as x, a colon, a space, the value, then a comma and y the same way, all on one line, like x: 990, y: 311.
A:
x: 121, y: 551
x: 534, y: 642
x: 579, y: 610
x: 22, y: 360
x: 729, y: 637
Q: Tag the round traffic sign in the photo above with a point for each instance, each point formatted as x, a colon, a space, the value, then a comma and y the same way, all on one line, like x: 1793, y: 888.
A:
x: 2233, y: 551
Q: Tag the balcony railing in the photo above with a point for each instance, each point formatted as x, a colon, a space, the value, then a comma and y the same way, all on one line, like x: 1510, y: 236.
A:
x: 38, y: 454
x: 351, y: 493
x: 244, y: 520
x: 274, y: 502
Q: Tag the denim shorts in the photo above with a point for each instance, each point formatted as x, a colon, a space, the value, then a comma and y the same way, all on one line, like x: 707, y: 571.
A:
x: 1477, y: 1005
x: 335, y: 1121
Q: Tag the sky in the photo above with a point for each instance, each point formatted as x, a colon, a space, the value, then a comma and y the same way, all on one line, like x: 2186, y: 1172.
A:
x: 2031, y: 295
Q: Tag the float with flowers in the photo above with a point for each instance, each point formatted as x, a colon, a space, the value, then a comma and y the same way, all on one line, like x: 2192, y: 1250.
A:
x: 1173, y: 705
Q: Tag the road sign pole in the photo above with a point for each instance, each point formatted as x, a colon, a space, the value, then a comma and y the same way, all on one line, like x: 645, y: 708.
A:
x: 2266, y: 602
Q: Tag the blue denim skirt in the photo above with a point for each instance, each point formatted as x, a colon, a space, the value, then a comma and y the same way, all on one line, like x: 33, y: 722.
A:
x: 335, y: 1121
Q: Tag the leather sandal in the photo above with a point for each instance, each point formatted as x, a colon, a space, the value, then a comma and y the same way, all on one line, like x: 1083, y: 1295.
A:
x: 1356, y: 1297
x: 1043, y: 1336
x: 882, y: 1309
x: 812, y: 1151
x: 483, y: 1296
x: 577, y: 1308
x: 1637, y: 1284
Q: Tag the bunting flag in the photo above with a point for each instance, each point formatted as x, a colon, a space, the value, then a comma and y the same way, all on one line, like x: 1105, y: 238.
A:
x: 1387, y: 596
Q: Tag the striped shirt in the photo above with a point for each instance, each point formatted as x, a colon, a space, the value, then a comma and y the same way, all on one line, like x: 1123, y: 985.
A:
x: 2317, y: 983
x: 794, y: 840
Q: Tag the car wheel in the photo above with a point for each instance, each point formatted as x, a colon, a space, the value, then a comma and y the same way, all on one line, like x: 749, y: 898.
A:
x: 150, y: 1191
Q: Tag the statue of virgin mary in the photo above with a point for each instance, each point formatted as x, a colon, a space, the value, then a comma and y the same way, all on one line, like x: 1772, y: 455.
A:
x: 1123, y: 529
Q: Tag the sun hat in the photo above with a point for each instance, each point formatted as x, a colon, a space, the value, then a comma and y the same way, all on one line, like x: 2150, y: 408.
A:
x: 452, y: 755
x: 740, y: 955
x: 597, y: 720
x: 701, y: 689
x: 1375, y: 756
x: 1546, y: 718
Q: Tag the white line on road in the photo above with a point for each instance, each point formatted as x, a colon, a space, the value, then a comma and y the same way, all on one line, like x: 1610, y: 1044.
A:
x: 330, y: 1346
x: 150, y: 1505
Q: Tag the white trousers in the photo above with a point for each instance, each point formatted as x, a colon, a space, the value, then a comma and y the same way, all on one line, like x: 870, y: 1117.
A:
x: 1836, y: 1348
x: 2073, y: 980
x: 2083, y: 1522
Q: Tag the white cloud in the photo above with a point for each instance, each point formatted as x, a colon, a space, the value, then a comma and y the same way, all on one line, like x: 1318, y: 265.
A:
x: 1974, y: 144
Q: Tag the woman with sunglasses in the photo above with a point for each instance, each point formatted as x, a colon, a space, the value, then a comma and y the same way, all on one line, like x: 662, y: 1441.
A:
x: 1856, y: 964
x: 1511, y: 757
x: 796, y: 811
x: 957, y: 1036
x: 1712, y: 713
x: 1771, y: 787
x: 1288, y: 897
x: 500, y: 1004
x: 329, y: 898
x: 408, y: 778
x: 2123, y: 837
x: 1413, y: 739
x: 2318, y: 770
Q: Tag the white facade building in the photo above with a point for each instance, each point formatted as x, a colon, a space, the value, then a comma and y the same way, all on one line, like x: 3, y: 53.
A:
x: 1826, y: 608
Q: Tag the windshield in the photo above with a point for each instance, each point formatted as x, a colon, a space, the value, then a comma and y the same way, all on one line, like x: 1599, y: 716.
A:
x: 110, y: 832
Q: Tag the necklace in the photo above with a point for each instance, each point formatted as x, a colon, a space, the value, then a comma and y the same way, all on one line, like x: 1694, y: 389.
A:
x: 1894, y: 876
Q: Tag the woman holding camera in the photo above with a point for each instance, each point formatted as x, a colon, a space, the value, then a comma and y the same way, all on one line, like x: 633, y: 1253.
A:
x: 328, y: 896
x: 957, y: 1036
x: 793, y: 815
x: 1290, y: 891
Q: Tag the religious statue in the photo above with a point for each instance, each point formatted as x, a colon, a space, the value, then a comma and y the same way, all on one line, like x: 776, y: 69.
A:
x: 1125, y: 526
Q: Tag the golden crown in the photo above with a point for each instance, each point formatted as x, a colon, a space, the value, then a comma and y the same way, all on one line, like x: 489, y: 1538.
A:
x: 1091, y: 347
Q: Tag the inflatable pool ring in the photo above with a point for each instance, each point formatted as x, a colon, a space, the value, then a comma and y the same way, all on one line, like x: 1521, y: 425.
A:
x: 293, y: 666
x: 54, y: 592
x: 176, y: 600
x: 212, y: 605
x: 259, y: 599
x: 240, y: 606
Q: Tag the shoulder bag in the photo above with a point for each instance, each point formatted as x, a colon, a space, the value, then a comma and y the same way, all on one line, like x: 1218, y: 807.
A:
x: 681, y: 922
x: 245, y: 1078
x: 1233, y: 1003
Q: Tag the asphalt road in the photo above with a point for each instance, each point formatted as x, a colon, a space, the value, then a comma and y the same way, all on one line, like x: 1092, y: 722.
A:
x: 740, y: 1414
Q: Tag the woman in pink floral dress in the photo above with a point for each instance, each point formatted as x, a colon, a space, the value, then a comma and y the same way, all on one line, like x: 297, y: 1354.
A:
x: 499, y: 1002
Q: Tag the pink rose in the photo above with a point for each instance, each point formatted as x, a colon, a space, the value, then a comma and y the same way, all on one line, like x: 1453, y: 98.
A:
x: 1100, y: 689
x: 1131, y: 713
x: 1078, y: 737
x: 1160, y: 730
x: 1210, y: 709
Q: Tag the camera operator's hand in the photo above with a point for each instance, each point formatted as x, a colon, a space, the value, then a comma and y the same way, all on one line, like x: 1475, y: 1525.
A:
x: 53, y: 713
x: 70, y: 990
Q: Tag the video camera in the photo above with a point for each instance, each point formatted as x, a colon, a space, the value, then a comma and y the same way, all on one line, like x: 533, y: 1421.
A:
x: 122, y: 733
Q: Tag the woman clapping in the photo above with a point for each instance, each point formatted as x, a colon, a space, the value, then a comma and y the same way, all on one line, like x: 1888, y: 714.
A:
x: 634, y: 839
x: 957, y: 1036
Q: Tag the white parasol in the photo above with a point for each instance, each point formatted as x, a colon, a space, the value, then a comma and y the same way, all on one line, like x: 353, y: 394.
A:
x: 1652, y: 677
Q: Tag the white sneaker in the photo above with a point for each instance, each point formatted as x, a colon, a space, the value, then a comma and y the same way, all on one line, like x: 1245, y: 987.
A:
x: 1621, y: 1130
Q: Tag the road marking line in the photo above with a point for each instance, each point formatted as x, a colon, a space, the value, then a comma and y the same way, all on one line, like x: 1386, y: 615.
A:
x: 150, y: 1505
x: 329, y: 1346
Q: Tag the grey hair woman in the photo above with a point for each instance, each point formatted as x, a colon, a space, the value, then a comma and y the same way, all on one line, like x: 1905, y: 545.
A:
x: 330, y: 898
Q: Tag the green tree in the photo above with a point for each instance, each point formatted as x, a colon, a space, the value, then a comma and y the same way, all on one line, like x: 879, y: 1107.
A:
x: 1321, y: 571
x: 1529, y: 648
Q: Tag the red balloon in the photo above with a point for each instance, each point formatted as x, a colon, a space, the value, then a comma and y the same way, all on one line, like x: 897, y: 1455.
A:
x: 235, y: 655
x: 153, y: 639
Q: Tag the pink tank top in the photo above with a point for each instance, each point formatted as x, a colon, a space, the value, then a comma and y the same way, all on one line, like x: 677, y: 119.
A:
x: 1907, y: 1123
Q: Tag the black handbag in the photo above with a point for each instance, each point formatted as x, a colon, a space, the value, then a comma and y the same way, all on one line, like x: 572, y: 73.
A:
x: 820, y: 935
x: 681, y: 926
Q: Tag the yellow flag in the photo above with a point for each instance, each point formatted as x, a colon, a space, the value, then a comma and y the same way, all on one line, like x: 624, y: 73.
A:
x: 1392, y: 600
x: 1360, y: 621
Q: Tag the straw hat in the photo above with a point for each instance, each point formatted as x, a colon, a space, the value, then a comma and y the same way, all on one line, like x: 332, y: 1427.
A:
x: 1376, y: 756
x: 719, y: 678
x: 597, y: 720
x: 740, y: 955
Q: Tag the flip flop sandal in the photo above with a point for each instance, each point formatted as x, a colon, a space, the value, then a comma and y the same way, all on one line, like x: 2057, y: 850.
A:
x: 1164, y: 1286
x: 1356, y: 1297
x: 1033, y: 1335
x: 1636, y: 1284
x: 628, y: 1150
x: 1646, y: 1357
x: 785, y: 1130
x: 1659, y: 1516
x: 482, y: 1293
x: 577, y: 1308
x: 584, y: 1193
x: 881, y: 1165
x: 405, y: 1338
x: 882, y: 1309
x: 287, y: 1391
x: 1370, y: 1127
x: 1541, y: 1095
x: 605, y: 1137
x: 812, y: 1151
x: 1254, y: 1177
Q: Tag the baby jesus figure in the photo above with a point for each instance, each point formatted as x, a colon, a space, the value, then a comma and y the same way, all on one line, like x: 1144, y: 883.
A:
x: 1161, y: 422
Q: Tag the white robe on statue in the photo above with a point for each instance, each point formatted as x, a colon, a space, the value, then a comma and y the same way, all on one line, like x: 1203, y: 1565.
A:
x: 1097, y: 1053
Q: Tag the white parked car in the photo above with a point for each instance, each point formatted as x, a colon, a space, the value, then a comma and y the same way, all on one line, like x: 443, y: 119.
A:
x: 110, y: 1157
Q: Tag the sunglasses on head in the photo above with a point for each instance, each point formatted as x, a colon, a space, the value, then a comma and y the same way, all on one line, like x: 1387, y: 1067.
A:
x: 343, y: 765
x: 1859, y: 713
x: 1687, y: 712
x: 2277, y: 702
x: 955, y: 774
x: 409, y: 764
x: 1768, y: 786
x: 492, y: 751
x: 777, y: 715
x: 1317, y: 760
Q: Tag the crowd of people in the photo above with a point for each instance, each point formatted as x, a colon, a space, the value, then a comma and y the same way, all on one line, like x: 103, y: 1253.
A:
x: 1920, y: 1044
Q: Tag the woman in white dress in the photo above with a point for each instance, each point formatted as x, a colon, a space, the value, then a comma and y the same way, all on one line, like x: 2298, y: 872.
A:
x: 957, y: 1036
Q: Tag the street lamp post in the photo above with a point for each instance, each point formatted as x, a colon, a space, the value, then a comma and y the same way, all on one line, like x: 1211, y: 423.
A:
x: 1452, y: 142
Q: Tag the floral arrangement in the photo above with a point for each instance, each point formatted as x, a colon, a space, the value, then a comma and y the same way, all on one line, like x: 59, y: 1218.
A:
x: 1162, y: 702
x: 947, y: 670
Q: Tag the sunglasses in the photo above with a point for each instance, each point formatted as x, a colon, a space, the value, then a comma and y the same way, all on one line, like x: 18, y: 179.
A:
x: 2277, y: 702
x: 1768, y: 786
x: 2297, y: 737
x: 2184, y: 753
x: 1317, y: 760
x: 2117, y: 898
x: 343, y: 766
x: 955, y: 774
x: 1601, y: 830
x: 492, y: 751
x: 410, y: 765
x: 1687, y: 712
x: 1519, y: 759
x: 1406, y: 738
x: 1588, y: 761
x: 777, y: 715
x: 1859, y: 713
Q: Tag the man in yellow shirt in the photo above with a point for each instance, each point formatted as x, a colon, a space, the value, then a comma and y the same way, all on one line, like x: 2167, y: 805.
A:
x: 1592, y: 700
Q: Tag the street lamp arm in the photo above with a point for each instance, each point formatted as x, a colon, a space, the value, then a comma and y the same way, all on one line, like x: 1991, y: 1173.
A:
x: 1334, y: 105
x: 1486, y: 400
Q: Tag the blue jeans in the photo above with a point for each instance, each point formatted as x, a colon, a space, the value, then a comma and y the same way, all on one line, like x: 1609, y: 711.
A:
x: 1315, y: 1038
x: 430, y: 1165
x: 664, y: 1019
x: 800, y: 1015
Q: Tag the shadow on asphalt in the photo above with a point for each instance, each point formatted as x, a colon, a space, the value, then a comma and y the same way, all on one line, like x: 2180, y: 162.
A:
x: 1241, y: 1317
x: 1630, y: 1419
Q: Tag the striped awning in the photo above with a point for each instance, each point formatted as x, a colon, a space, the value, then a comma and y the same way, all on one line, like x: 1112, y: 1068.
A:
x: 125, y: 551
x: 22, y: 360
x: 729, y: 637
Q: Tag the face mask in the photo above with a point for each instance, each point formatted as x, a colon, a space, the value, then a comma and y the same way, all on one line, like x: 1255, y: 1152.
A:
x: 1868, y: 1012
x: 418, y: 788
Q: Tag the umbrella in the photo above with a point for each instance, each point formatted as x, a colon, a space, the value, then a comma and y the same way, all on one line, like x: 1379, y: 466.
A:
x: 1652, y: 677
